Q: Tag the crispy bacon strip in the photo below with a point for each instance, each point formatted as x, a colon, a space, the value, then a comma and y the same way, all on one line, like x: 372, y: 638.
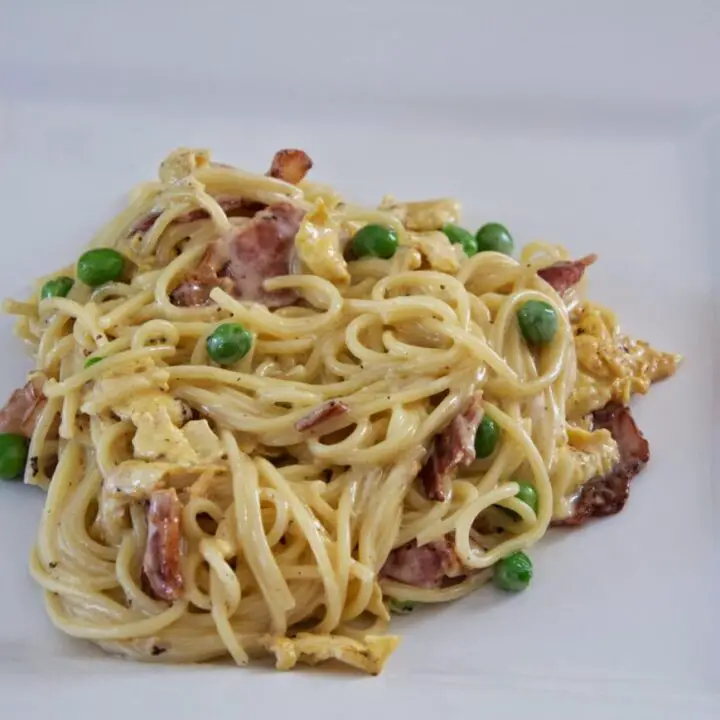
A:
x: 161, y: 563
x: 290, y: 165
x: 321, y: 414
x: 23, y: 408
x: 434, y: 564
x: 566, y: 273
x: 453, y: 447
x: 607, y: 495
x: 246, y: 257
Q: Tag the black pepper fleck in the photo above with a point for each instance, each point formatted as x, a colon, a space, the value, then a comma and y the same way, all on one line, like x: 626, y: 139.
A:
x: 52, y: 565
x: 34, y: 465
x: 157, y: 650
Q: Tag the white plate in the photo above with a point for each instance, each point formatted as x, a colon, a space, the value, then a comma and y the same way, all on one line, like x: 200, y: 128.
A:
x: 591, y: 129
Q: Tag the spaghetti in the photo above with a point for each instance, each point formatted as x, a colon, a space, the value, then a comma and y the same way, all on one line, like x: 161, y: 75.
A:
x: 265, y: 416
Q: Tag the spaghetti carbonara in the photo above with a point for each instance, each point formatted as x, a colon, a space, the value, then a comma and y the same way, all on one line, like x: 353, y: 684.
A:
x: 266, y: 418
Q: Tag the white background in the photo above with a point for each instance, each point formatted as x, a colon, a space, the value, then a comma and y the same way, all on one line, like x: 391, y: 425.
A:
x: 591, y: 124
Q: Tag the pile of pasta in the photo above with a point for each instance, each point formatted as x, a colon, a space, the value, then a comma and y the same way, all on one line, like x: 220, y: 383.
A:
x: 266, y: 417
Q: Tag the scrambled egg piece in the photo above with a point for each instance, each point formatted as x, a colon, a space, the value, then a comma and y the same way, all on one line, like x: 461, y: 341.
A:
x: 158, y: 417
x: 369, y: 656
x: 157, y: 438
x: 109, y: 392
x: 137, y: 479
x: 425, y: 215
x: 585, y: 456
x: 203, y: 440
x: 318, y: 244
x: 182, y: 162
x: 437, y: 249
x: 611, y: 366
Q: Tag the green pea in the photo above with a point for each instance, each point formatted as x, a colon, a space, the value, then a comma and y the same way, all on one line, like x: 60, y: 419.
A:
x: 13, y: 455
x: 462, y: 237
x: 375, y: 241
x: 494, y: 236
x: 528, y: 494
x: 57, y: 287
x: 401, y: 607
x: 513, y: 573
x: 538, y: 322
x: 93, y: 361
x: 228, y: 343
x: 100, y: 266
x: 486, y: 437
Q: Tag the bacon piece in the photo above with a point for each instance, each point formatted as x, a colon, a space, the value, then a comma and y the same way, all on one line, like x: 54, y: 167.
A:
x: 566, y: 273
x: 195, y: 290
x: 23, y: 408
x: 321, y: 414
x: 264, y: 249
x: 434, y: 564
x: 607, y: 495
x: 161, y: 563
x: 191, y: 293
x: 454, y: 446
x: 246, y: 257
x: 144, y: 223
x: 290, y: 165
